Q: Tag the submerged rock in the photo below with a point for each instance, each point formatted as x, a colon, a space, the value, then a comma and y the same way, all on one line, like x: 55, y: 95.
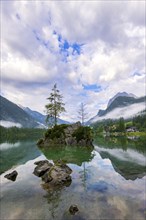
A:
x: 12, y: 176
x: 73, y: 209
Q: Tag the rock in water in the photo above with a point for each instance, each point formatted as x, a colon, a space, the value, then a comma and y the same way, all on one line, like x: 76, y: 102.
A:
x: 41, y: 162
x: 62, y: 165
x: 42, y: 168
x: 12, y: 176
x: 54, y: 175
x: 73, y: 209
x: 59, y: 175
x: 47, y: 178
x: 73, y: 135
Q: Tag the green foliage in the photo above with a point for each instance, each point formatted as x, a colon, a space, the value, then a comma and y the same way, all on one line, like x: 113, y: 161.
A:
x: 55, y: 106
x: 121, y: 142
x: 100, y: 129
x: 15, y: 133
x: 140, y: 122
x: 128, y: 124
x: 121, y: 125
x: 83, y: 133
x: 56, y: 131
x: 40, y: 141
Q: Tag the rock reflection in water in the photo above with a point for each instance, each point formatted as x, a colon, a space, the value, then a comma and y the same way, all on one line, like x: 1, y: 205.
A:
x: 70, y: 154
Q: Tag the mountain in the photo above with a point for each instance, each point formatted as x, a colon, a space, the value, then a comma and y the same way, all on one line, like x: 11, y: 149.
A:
x: 40, y: 117
x: 36, y: 115
x: 125, y: 94
x: 12, y: 115
x: 19, y: 116
x: 121, y: 105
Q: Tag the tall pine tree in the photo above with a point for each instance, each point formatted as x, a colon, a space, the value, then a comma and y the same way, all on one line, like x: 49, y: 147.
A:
x: 55, y: 106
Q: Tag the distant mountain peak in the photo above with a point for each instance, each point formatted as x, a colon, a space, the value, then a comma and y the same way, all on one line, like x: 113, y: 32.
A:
x: 121, y: 105
x: 125, y: 94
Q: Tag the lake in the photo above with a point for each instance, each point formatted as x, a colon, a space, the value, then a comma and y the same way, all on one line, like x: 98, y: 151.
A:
x: 107, y: 182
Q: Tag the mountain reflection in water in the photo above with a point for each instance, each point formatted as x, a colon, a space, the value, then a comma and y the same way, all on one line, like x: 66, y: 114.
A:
x: 13, y: 154
x: 127, y: 156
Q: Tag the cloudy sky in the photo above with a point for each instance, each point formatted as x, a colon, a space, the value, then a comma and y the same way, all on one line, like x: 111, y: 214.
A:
x: 91, y: 49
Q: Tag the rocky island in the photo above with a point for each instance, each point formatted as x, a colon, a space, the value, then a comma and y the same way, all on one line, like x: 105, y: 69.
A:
x: 73, y: 134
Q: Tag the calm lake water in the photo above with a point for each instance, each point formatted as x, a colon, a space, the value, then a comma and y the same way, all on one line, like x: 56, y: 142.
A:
x: 107, y: 182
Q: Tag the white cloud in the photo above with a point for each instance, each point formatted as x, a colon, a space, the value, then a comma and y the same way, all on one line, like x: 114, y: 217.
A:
x: 129, y: 155
x: 112, y: 35
x: 5, y: 146
x: 125, y: 112
x: 9, y: 124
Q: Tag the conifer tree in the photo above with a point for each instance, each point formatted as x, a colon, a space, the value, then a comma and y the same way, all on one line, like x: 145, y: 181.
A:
x: 121, y: 125
x: 55, y: 106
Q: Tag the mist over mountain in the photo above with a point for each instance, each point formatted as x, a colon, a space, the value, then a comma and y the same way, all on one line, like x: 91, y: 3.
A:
x: 12, y: 115
x: 121, y: 105
x: 19, y: 116
x: 123, y: 94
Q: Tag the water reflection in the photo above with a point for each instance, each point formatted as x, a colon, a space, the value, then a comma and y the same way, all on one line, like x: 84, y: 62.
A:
x: 53, y: 199
x: 98, y: 191
x: 70, y: 154
x: 128, y: 157
x: 13, y: 154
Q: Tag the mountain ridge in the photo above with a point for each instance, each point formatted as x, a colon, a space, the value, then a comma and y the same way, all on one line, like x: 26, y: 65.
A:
x: 120, y: 94
x: 12, y: 114
x: 40, y: 117
x: 119, y: 106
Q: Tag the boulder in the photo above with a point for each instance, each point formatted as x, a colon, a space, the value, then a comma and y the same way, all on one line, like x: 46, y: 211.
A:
x: 59, y: 175
x: 73, y: 209
x: 12, y: 176
x: 47, y: 178
x: 71, y: 128
x: 41, y: 162
x: 55, y: 175
x: 42, y: 168
x: 64, y: 167
x: 70, y: 140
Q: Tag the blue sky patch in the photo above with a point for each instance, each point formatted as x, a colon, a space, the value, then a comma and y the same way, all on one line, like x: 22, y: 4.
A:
x: 100, y: 186
x: 65, y: 45
x: 77, y: 48
x: 92, y: 87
